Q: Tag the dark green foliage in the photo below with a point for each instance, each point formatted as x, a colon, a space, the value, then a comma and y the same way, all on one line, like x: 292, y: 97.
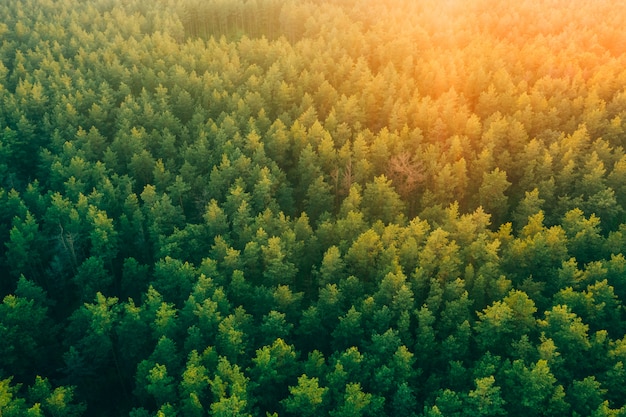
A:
x: 298, y: 208
x: 27, y: 333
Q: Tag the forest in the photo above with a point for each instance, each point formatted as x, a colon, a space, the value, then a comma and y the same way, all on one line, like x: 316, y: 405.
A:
x: 343, y: 208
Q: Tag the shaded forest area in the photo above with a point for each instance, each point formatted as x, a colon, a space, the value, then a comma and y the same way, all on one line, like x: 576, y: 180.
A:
x: 309, y: 208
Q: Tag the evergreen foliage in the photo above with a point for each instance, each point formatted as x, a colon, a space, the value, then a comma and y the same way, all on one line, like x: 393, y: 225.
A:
x: 295, y: 208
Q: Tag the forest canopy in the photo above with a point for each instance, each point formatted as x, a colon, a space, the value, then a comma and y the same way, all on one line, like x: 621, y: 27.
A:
x: 306, y: 208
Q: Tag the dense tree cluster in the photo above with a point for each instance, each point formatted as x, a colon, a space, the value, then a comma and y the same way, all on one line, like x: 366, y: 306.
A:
x: 306, y: 208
